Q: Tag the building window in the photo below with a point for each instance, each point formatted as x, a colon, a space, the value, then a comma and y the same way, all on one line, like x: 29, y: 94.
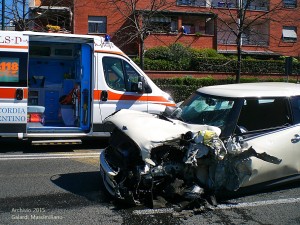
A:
x: 97, y: 24
x: 223, y: 4
x: 289, y: 34
x: 192, y: 2
x: 290, y: 3
x: 257, y: 5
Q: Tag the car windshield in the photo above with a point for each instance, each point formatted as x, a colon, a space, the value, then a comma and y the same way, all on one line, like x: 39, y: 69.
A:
x: 205, y: 109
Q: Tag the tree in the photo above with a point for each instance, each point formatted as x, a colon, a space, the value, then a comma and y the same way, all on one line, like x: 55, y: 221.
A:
x: 136, y: 20
x: 243, y: 19
x: 10, y: 10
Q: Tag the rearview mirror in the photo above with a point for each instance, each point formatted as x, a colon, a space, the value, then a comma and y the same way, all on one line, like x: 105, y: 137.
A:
x: 143, y: 85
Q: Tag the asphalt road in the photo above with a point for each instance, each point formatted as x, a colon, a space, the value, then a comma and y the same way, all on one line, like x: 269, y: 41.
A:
x: 62, y: 185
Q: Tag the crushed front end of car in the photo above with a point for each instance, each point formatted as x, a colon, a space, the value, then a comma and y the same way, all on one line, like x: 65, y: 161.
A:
x: 159, y: 161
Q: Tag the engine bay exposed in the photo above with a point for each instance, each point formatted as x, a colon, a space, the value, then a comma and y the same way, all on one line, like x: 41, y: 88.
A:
x: 186, y: 171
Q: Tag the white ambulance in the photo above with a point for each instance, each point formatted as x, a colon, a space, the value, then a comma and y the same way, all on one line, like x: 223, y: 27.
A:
x: 62, y: 86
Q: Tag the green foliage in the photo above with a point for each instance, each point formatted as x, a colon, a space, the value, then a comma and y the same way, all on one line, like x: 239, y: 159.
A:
x: 205, y: 53
x: 177, y: 57
x: 262, y: 66
x: 223, y: 65
x: 181, y: 88
x: 179, y: 52
x: 158, y: 53
x: 171, y: 58
x: 295, y: 60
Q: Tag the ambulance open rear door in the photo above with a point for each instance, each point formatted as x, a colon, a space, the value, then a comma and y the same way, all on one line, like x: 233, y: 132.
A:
x: 13, y: 84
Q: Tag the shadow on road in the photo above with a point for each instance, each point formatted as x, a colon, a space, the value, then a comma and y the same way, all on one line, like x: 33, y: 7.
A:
x: 86, y: 184
x: 14, y: 145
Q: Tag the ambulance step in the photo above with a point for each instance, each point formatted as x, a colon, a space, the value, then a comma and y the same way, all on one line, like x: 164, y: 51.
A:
x: 57, y: 142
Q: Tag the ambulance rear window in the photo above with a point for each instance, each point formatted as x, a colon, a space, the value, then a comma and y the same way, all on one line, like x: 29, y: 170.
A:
x: 13, y: 69
x: 9, y: 69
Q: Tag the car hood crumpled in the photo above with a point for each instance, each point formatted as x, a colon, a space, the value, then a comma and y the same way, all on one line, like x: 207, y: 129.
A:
x: 148, y: 131
x: 219, y: 164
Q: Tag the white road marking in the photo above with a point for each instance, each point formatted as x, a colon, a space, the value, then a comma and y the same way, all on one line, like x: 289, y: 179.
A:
x: 152, y: 211
x: 223, y: 206
x: 259, y: 203
x: 50, y: 156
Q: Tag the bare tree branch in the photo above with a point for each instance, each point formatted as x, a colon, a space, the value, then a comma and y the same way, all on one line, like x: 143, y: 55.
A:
x: 51, y: 11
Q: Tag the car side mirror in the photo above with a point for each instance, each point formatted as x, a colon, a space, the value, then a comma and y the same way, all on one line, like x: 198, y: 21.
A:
x: 143, y: 86
x: 140, y: 87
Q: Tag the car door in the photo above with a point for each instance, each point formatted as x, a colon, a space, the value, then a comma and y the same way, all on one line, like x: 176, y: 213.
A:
x: 295, y: 103
x: 13, y: 83
x: 273, y: 130
x: 121, y: 82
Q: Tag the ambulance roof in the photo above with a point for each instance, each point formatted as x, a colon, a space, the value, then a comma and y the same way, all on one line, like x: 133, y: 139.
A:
x: 99, y: 42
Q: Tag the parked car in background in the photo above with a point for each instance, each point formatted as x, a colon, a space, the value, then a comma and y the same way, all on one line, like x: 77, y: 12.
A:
x: 222, y: 137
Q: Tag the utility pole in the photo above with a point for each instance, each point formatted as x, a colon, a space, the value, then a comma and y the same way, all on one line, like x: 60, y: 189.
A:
x: 24, y: 2
x: 240, y: 21
x: 3, y: 14
x: 23, y: 16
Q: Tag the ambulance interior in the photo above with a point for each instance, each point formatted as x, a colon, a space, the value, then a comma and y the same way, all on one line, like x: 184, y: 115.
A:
x: 59, y: 87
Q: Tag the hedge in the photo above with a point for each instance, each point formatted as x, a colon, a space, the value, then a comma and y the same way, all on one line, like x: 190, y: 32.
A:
x: 181, y: 88
x: 225, y: 65
x: 177, y: 57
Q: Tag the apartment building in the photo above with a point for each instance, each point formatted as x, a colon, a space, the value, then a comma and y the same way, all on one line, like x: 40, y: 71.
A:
x: 265, y: 27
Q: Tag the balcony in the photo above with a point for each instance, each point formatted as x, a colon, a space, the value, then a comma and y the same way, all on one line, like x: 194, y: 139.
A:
x: 56, y: 15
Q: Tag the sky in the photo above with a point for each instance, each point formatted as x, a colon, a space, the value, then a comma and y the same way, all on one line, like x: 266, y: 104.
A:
x: 8, y: 10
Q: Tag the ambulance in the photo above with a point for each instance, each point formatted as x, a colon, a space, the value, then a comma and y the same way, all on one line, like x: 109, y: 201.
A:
x: 56, y: 86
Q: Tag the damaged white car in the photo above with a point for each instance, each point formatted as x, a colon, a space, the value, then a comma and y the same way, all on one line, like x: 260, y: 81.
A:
x: 222, y: 137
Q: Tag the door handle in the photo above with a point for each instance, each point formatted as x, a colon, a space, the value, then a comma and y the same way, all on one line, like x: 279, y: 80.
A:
x: 296, y: 138
x: 104, y: 96
x: 19, y: 94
